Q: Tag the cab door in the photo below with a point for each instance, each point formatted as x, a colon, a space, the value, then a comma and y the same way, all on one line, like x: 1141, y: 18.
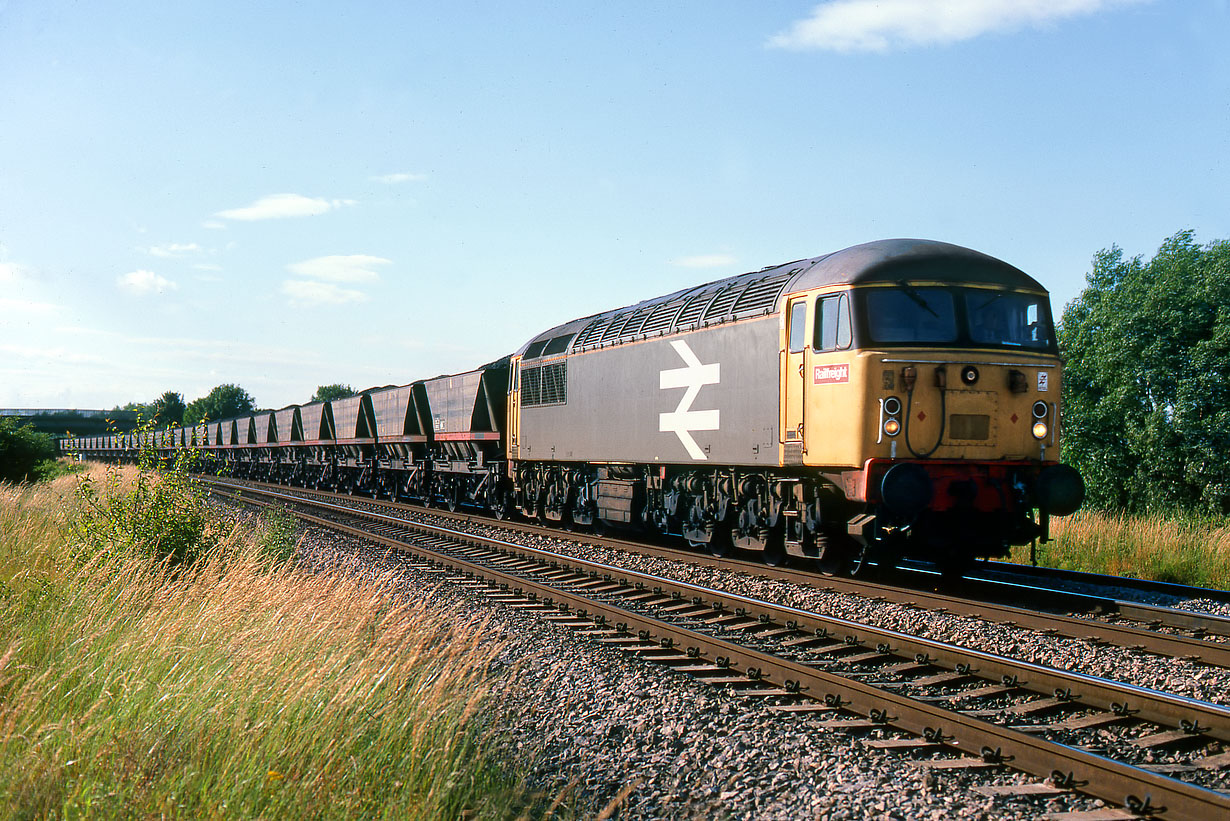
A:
x: 514, y: 410
x: 833, y: 418
x: 794, y: 380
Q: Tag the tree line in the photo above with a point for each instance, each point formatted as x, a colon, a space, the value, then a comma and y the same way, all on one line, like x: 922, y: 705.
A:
x: 23, y: 451
x: 222, y: 402
x: 1147, y: 379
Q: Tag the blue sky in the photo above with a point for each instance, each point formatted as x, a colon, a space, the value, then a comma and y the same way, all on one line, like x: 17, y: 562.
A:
x: 288, y: 194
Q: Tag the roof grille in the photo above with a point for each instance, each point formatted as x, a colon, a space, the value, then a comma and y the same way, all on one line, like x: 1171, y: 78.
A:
x: 760, y: 296
x: 728, y: 300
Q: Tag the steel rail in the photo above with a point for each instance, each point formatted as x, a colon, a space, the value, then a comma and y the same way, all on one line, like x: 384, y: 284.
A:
x: 1092, y: 774
x: 1104, y: 580
x: 1119, y: 635
x: 1080, y: 689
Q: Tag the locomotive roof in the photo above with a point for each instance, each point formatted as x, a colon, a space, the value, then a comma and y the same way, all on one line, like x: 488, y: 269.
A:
x: 759, y: 293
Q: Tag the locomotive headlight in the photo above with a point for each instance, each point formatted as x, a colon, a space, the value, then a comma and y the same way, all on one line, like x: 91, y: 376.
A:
x: 1040, y: 430
x: 890, y: 424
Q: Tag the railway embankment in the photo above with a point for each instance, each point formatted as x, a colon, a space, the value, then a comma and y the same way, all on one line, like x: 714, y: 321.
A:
x: 229, y: 681
x: 1178, y: 548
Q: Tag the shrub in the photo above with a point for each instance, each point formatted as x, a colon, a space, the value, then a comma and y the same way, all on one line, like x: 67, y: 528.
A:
x: 163, y: 515
x: 22, y: 448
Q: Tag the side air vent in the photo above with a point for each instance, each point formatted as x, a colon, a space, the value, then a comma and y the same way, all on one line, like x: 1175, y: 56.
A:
x: 545, y: 384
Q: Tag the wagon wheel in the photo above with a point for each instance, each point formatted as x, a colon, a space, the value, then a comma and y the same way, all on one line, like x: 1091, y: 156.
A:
x: 501, y: 503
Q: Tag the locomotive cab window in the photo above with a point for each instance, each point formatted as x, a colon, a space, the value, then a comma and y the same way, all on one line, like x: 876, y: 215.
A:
x: 557, y: 345
x: 798, y: 325
x: 1006, y: 318
x: 832, y: 332
x: 910, y: 314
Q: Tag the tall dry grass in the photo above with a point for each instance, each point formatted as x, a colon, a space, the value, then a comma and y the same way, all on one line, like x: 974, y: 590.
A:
x: 231, y: 686
x: 1172, y: 549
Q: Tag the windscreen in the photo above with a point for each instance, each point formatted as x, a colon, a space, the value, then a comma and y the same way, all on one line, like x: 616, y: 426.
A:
x: 1010, y: 319
x: 975, y: 317
x: 908, y: 314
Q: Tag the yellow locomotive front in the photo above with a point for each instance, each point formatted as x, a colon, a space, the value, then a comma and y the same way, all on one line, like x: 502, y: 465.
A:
x: 921, y: 381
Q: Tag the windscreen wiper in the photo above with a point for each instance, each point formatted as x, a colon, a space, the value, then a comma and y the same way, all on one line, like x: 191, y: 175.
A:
x: 913, y: 294
x: 992, y: 299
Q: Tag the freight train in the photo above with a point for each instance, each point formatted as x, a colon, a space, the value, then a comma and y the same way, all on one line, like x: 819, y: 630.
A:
x: 897, y: 399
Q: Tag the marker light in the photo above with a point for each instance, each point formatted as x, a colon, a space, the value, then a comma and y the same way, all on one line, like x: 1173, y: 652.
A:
x: 1040, y: 410
x: 1039, y: 430
x: 892, y: 406
x: 892, y: 427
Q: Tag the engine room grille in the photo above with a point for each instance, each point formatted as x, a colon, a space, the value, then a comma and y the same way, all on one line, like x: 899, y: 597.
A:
x: 740, y: 297
x: 545, y: 384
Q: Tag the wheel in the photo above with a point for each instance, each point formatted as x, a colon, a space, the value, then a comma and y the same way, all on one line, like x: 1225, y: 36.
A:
x: 502, y: 507
x: 720, y: 544
x: 835, y: 554
x: 953, y: 565
x: 775, y: 554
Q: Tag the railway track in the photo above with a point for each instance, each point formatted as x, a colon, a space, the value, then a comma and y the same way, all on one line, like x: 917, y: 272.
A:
x: 1165, y: 631
x: 993, y: 710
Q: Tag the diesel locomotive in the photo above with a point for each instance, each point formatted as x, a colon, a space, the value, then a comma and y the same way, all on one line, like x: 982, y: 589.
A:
x: 894, y: 399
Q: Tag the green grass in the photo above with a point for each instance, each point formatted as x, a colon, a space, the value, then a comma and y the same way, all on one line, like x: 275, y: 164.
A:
x: 50, y: 469
x: 1176, y: 548
x: 231, y: 685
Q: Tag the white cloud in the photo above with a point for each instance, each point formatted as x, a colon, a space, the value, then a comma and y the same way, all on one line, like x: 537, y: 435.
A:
x: 394, y: 179
x: 882, y: 25
x: 277, y: 206
x: 144, y: 282
x: 174, y: 249
x: 705, y: 261
x: 320, y: 293
x: 340, y: 268
x: 213, y: 225
x: 207, y: 266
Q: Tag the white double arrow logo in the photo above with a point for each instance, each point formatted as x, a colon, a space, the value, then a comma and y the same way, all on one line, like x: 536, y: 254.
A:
x: 683, y: 420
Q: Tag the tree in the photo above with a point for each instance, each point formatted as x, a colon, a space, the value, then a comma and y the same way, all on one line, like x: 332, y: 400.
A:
x: 326, y: 393
x: 168, y: 409
x: 222, y: 402
x: 146, y: 410
x: 1147, y: 379
x: 21, y: 448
